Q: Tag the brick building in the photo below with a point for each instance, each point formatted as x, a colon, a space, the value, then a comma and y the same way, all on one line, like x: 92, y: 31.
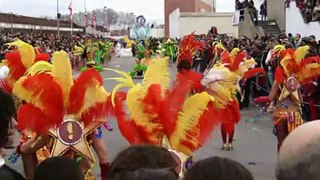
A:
x: 186, y: 6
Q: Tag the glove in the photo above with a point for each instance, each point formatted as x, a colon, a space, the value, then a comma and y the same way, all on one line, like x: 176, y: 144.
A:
x: 4, y: 72
x: 262, y: 99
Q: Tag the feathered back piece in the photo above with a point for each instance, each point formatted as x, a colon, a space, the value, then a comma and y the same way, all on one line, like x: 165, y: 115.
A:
x: 51, y: 93
x: 158, y: 112
x: 144, y: 103
x: 295, y: 63
x: 232, y: 60
x: 238, y: 63
x: 19, y: 61
x: 188, y: 47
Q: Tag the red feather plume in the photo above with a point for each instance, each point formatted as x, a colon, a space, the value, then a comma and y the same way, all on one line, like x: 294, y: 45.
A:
x: 127, y: 128
x: 17, y: 69
x: 153, y: 100
x: 236, y: 62
x: 31, y: 117
x: 226, y: 58
x: 253, y: 72
x: 103, y: 110
x: 279, y: 75
x: 208, y: 121
x: 42, y: 57
x: 174, y: 98
x: 188, y: 47
x: 45, y: 89
x: 78, y: 90
x: 4, y: 85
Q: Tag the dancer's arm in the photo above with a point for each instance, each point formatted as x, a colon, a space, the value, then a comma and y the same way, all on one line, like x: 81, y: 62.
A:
x: 274, y: 91
x: 33, y: 144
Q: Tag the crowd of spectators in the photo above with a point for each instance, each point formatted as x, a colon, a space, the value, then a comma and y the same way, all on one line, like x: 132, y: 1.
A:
x: 310, y: 9
x: 252, y: 10
x: 49, y: 43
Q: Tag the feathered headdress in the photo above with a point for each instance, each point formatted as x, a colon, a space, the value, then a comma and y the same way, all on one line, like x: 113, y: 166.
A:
x: 51, y: 93
x: 188, y: 47
x: 238, y: 63
x: 295, y: 63
x: 19, y: 61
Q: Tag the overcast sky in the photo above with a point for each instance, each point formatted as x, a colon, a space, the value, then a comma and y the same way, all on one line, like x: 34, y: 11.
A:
x: 151, y: 9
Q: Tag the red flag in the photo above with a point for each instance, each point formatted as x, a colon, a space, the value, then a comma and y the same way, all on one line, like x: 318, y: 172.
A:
x: 94, y: 20
x: 70, y: 10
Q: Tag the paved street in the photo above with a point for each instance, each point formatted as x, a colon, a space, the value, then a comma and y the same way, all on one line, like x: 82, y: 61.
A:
x: 254, y: 146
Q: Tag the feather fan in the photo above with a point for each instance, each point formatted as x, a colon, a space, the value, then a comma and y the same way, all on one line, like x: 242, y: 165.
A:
x: 34, y: 90
x: 185, y: 137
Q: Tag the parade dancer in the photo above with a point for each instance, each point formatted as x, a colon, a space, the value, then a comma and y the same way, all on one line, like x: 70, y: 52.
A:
x: 142, y: 61
x: 241, y: 67
x: 90, y: 54
x: 294, y: 69
x: 72, y: 105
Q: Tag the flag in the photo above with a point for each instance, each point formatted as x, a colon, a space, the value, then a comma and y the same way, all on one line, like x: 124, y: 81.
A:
x: 86, y: 19
x: 94, y: 20
x: 70, y: 10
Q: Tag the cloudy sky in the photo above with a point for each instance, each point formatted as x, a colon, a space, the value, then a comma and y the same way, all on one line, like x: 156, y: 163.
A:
x: 151, y: 9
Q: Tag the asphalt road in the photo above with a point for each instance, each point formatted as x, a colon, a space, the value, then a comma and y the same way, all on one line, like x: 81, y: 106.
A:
x: 254, y: 143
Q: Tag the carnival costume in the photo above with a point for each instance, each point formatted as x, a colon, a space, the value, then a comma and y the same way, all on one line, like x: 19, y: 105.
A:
x: 168, y: 49
x: 59, y: 115
x: 177, y: 118
x: 91, y: 53
x: 142, y: 61
x: 104, y: 52
x: 239, y: 66
x: 293, y: 70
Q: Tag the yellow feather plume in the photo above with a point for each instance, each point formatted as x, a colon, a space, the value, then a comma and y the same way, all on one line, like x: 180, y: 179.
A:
x: 78, y: 50
x: 3, y: 63
x: 220, y: 83
x: 300, y: 53
x: 27, y: 52
x: 234, y: 52
x: 309, y: 71
x: 39, y: 67
x: 140, y: 117
x: 245, y: 66
x: 218, y: 45
x: 278, y: 48
x: 188, y: 120
x: 125, y: 81
x: 284, y: 62
x: 157, y: 73
x: 94, y: 94
x: 27, y: 96
x: 62, y: 72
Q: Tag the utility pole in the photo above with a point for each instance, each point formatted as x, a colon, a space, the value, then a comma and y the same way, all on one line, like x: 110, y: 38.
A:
x: 86, y: 17
x: 11, y: 16
x: 58, y: 19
